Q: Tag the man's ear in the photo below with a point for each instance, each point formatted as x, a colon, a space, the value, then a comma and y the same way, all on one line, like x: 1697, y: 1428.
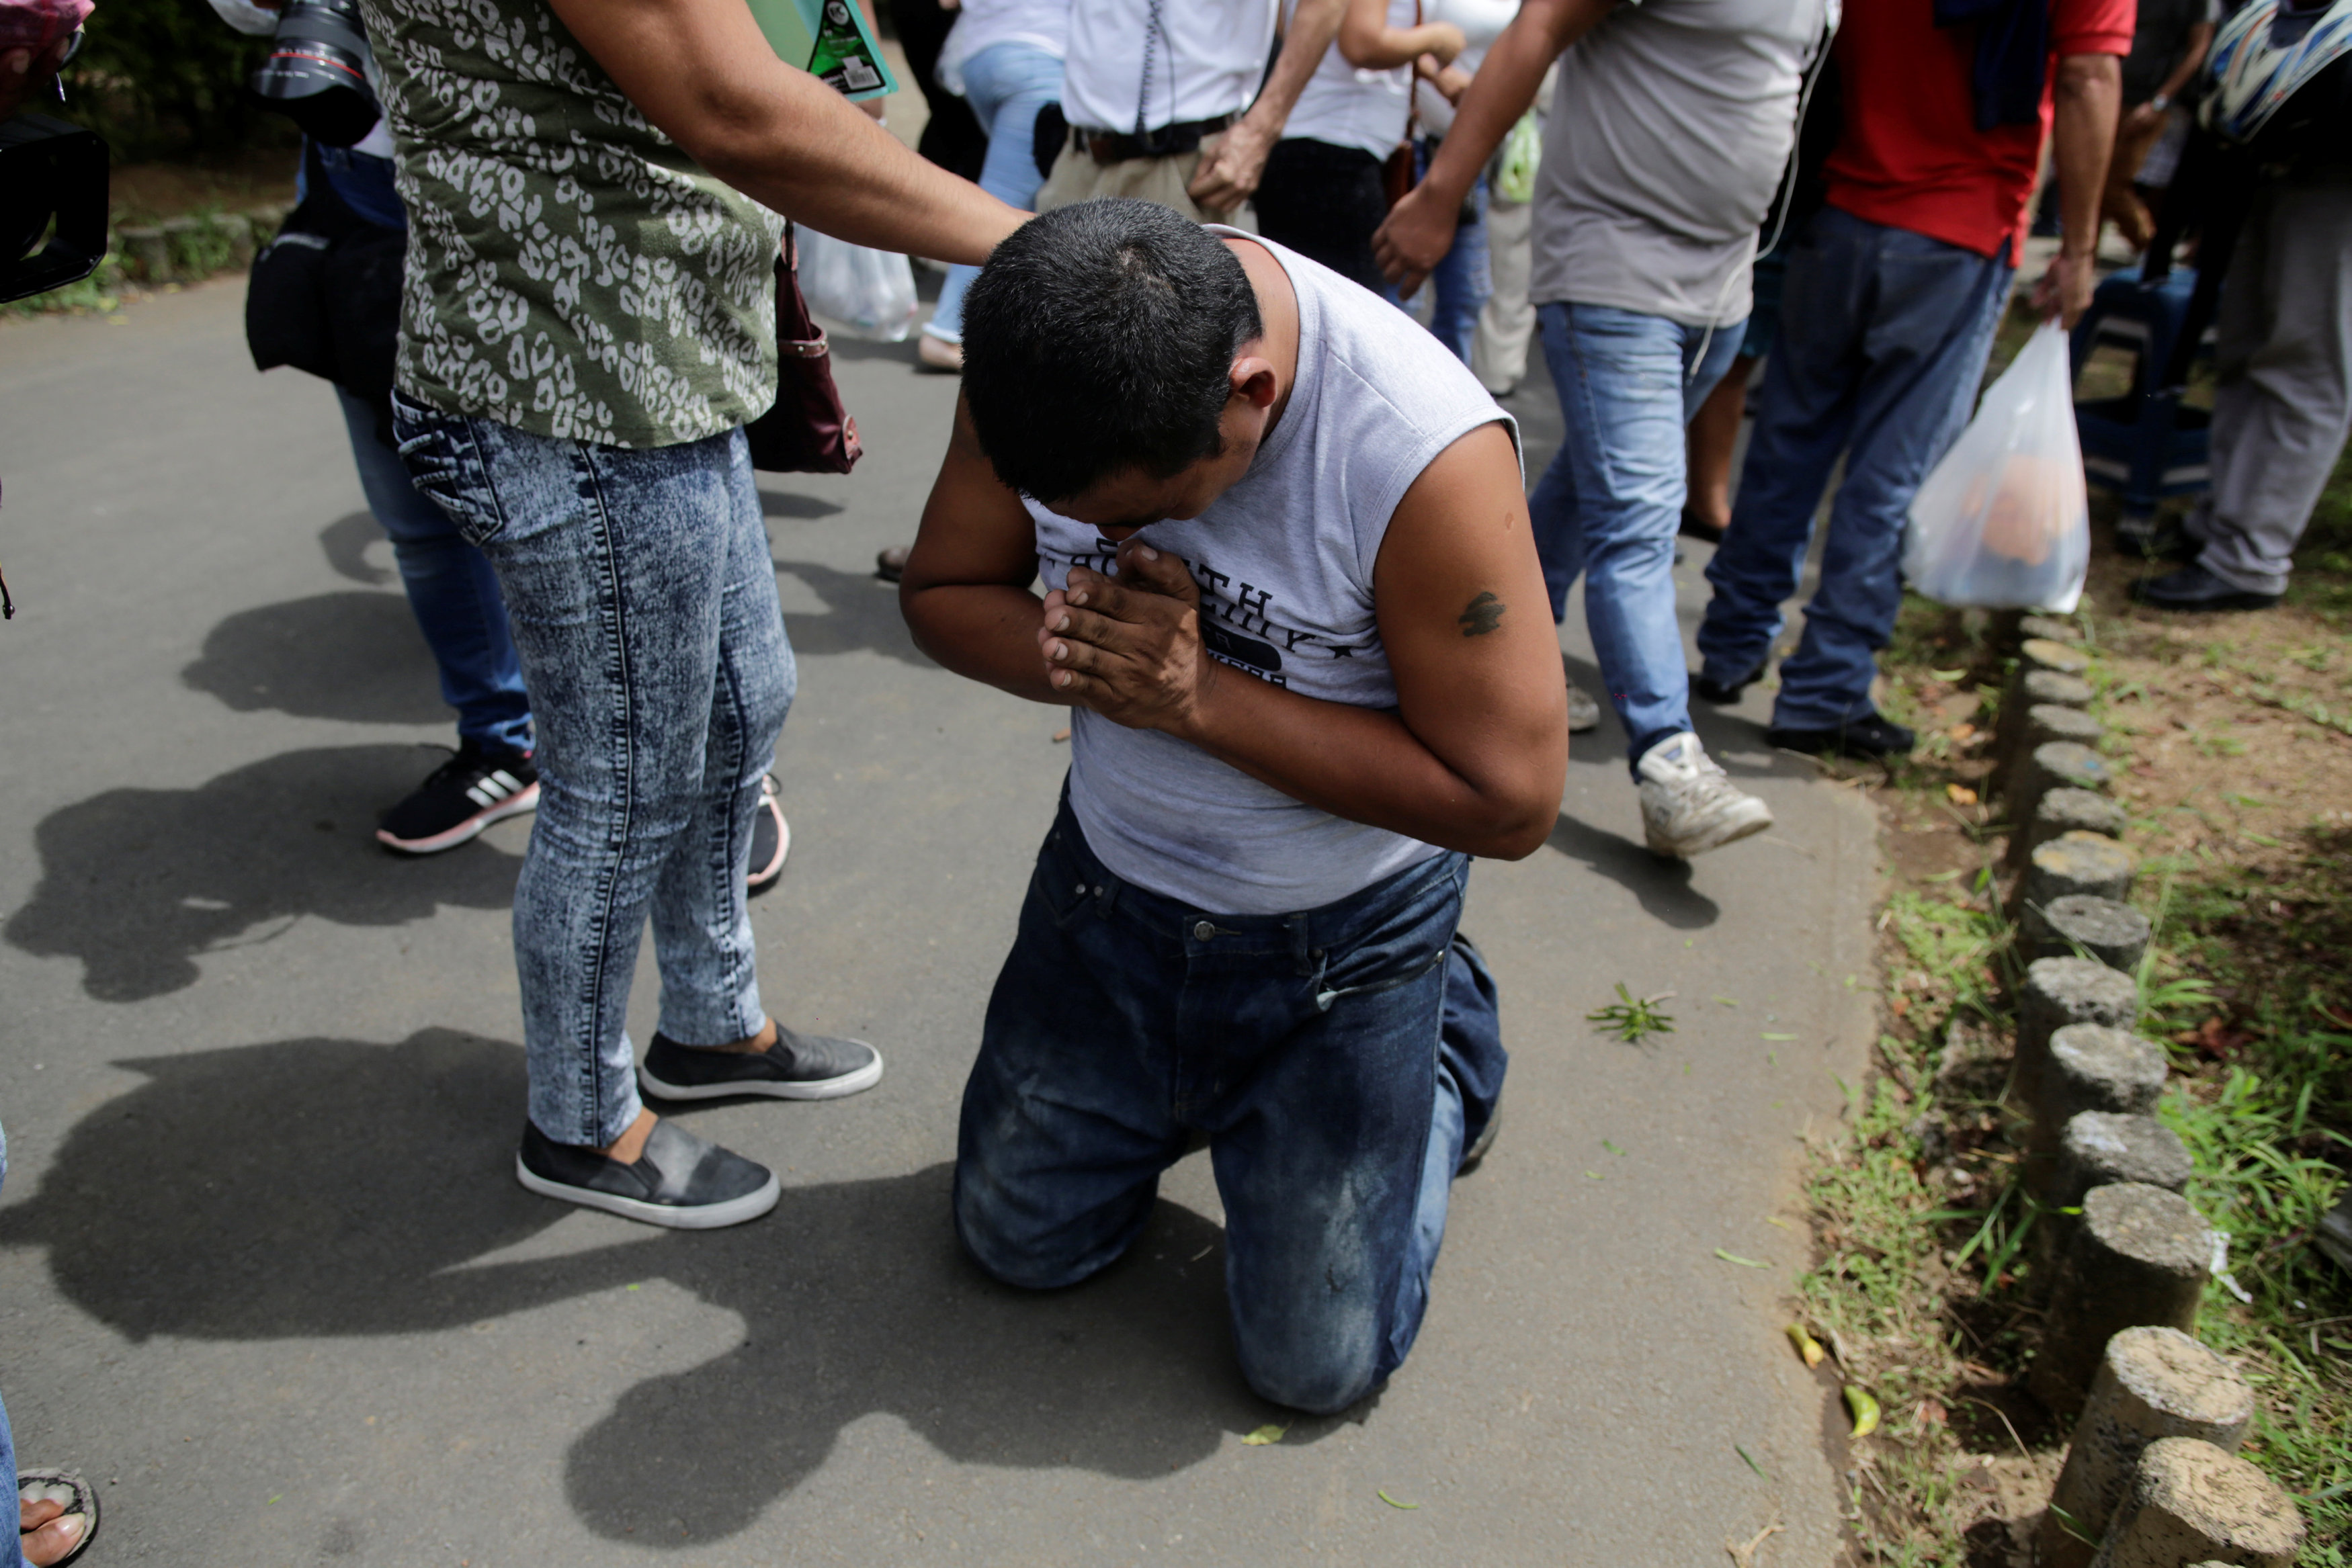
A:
x: 1254, y: 381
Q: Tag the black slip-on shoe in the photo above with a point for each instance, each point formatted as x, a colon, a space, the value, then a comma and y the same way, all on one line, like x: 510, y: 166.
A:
x: 1873, y: 735
x: 772, y: 840
x: 465, y: 794
x: 2194, y: 587
x: 1485, y: 1140
x: 680, y: 1181
x: 1723, y: 695
x: 797, y: 1067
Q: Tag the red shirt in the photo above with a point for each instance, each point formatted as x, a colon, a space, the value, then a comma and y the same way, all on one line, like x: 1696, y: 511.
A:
x: 1911, y: 156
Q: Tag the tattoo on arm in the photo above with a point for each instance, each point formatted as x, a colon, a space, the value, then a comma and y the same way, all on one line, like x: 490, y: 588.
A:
x: 1483, y: 616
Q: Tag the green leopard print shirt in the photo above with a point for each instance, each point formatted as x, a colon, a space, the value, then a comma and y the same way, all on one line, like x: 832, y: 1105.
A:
x: 571, y: 272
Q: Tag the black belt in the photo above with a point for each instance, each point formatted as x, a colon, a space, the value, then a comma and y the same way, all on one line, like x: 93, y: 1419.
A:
x: 1167, y: 141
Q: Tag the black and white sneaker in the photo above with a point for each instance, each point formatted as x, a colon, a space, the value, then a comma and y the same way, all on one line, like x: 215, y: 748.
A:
x: 680, y: 1181
x: 771, y: 840
x: 458, y: 800
x: 797, y: 1067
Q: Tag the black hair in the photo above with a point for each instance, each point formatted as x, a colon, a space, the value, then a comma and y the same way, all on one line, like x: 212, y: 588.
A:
x: 1101, y: 337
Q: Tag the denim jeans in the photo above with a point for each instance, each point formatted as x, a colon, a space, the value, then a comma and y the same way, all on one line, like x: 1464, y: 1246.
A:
x: 452, y: 591
x: 1883, y: 335
x: 1465, y: 279
x: 1338, y: 1061
x: 1006, y: 85
x: 644, y: 603
x: 1609, y: 505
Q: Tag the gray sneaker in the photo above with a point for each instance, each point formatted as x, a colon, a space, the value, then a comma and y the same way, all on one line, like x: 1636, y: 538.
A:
x: 1688, y: 806
x: 1583, y: 713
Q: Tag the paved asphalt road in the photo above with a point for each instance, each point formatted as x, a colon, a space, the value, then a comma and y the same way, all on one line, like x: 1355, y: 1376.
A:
x: 265, y: 1273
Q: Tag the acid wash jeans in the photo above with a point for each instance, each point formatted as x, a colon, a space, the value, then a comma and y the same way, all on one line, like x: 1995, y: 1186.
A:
x: 1609, y: 507
x: 1884, y: 336
x: 1339, y: 1062
x: 644, y: 603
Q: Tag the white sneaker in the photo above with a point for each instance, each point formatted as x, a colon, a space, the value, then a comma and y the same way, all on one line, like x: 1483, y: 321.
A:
x: 1583, y: 713
x: 1688, y: 807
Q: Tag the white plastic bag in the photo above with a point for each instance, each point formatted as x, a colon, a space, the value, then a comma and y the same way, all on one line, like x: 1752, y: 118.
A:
x: 869, y: 292
x: 2003, y: 522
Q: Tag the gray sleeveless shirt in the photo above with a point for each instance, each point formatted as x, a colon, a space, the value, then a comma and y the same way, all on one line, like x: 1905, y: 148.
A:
x: 1284, y: 563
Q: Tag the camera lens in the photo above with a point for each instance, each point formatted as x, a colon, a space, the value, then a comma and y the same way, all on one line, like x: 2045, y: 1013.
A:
x: 316, y: 73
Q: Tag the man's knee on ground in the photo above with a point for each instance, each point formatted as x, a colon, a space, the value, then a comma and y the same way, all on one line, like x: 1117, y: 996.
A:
x: 1321, y: 1381
x: 1012, y: 1251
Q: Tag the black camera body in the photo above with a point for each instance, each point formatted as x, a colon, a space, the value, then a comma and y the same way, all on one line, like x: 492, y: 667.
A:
x: 317, y: 72
x: 55, y: 178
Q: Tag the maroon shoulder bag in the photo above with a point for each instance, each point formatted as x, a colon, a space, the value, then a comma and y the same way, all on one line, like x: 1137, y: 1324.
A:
x: 807, y: 431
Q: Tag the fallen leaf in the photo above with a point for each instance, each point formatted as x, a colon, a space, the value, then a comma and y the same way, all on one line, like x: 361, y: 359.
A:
x: 1596, y: 1176
x: 1779, y: 1037
x: 1899, y: 1006
x: 1750, y: 1459
x: 1743, y: 1263
x: 1960, y: 794
x: 1961, y: 731
x: 1611, y: 1147
x: 1864, y: 1409
x: 1932, y: 1413
x: 1393, y: 1503
x: 1948, y: 674
x: 1263, y: 1436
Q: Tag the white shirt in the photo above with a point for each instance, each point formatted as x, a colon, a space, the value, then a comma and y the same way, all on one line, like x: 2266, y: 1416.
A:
x: 1482, y: 22
x: 1348, y: 107
x: 984, y: 24
x: 1284, y: 561
x: 1206, y: 59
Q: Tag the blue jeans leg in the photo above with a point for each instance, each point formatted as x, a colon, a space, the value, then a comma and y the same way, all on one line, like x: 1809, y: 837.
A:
x: 644, y: 603
x: 452, y: 591
x: 1883, y: 340
x: 1609, y: 506
x: 1464, y: 280
x: 1322, y: 1052
x: 1006, y: 85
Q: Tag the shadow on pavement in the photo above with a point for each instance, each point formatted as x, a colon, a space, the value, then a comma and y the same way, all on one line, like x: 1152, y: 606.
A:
x: 853, y: 1295
x: 136, y: 883
x: 346, y: 540
x: 785, y: 504
x: 351, y: 655
x: 1663, y: 886
x: 861, y: 615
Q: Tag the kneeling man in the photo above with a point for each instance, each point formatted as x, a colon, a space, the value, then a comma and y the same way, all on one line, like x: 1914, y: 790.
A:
x: 1296, y: 603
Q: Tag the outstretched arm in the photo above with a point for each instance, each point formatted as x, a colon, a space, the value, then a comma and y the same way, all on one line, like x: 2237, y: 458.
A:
x: 2089, y: 94
x: 701, y: 71
x: 1420, y: 230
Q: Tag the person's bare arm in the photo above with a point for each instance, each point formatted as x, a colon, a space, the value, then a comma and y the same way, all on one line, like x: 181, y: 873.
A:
x: 1366, y: 41
x: 1229, y: 172
x: 2089, y: 94
x: 1419, y: 230
x: 965, y: 591
x: 702, y: 72
x: 1472, y: 757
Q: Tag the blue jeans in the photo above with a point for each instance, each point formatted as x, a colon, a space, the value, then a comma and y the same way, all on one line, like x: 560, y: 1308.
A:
x: 1006, y: 85
x: 1609, y: 506
x: 1464, y: 280
x: 1338, y: 1061
x: 451, y: 591
x: 643, y: 602
x: 1884, y: 336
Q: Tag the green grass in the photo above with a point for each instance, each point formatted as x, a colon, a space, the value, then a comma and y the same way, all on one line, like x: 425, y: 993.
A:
x: 2269, y: 1127
x: 1633, y: 1018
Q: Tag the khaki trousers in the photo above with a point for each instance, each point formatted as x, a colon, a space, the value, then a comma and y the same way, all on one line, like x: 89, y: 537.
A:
x: 1077, y: 177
